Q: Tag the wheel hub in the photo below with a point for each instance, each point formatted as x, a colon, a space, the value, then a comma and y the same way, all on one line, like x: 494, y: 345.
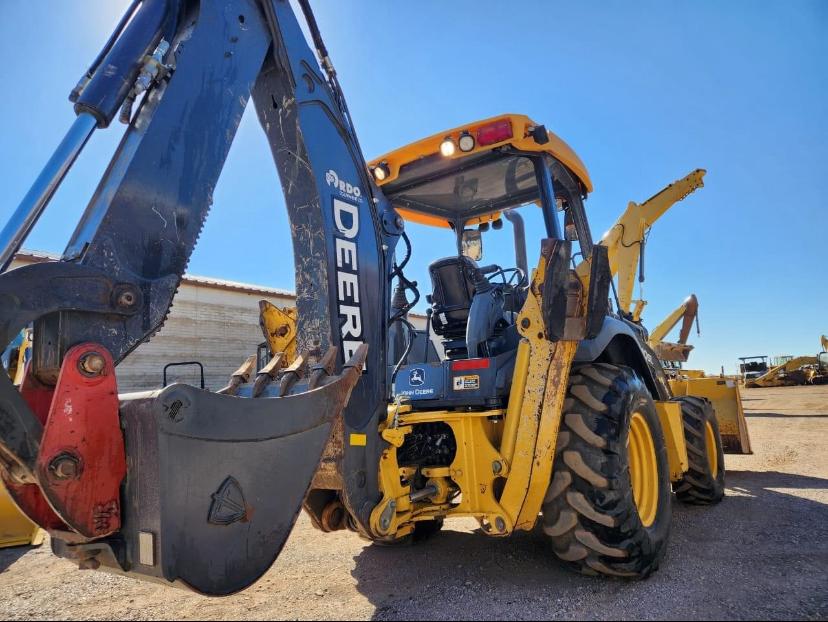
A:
x: 643, y: 469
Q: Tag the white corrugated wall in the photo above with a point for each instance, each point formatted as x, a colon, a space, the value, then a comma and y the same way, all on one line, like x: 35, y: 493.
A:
x: 213, y: 322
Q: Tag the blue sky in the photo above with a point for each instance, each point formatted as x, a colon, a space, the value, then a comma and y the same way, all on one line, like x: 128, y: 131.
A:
x: 643, y: 91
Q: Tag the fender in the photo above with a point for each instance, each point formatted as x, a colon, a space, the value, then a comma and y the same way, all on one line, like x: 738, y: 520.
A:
x: 622, y: 343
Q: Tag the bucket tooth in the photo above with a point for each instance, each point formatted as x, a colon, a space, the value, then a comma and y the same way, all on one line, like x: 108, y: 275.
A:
x: 324, y: 368
x: 269, y: 373
x: 293, y: 373
x: 240, y: 376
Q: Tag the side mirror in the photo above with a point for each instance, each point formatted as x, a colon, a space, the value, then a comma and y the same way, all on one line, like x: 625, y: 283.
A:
x: 472, y: 244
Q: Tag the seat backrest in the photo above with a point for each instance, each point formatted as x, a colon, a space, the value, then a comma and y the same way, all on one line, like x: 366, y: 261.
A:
x: 452, y: 286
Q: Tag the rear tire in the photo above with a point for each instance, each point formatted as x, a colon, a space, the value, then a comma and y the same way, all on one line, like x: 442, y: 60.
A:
x: 704, y: 482
x: 590, y: 512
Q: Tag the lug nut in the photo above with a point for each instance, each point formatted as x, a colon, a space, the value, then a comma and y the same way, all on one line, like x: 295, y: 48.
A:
x: 500, y: 524
x: 91, y: 364
x: 497, y: 467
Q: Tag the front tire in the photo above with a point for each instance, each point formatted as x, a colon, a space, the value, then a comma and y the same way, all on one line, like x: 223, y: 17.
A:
x: 704, y: 482
x: 608, y: 507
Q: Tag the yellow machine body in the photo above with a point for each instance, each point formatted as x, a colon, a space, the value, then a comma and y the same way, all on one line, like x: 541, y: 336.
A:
x: 503, y: 464
x: 669, y: 415
x: 15, y: 528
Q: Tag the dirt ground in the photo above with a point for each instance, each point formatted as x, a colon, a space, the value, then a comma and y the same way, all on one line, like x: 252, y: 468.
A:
x: 762, y: 553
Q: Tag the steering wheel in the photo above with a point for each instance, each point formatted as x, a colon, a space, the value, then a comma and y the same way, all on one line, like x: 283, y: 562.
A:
x: 516, y: 276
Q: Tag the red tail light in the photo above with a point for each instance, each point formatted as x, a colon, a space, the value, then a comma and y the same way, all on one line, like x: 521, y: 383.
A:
x: 466, y: 364
x: 494, y: 132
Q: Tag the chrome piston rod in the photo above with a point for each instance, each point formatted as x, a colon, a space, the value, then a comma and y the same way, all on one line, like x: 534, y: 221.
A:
x: 37, y: 198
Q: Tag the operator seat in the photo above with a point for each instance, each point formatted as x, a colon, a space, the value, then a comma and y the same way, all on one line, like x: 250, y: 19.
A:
x: 452, y: 284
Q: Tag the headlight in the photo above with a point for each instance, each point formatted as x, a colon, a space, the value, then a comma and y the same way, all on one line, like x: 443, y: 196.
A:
x: 447, y: 147
x: 381, y: 171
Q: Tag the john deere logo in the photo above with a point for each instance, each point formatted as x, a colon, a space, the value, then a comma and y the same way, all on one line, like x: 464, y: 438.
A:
x: 416, y: 377
x: 228, y: 505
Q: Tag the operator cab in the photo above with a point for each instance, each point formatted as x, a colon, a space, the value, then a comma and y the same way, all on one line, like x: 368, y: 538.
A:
x: 472, y: 180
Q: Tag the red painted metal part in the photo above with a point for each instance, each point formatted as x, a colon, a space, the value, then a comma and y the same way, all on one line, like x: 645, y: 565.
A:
x: 37, y: 395
x: 82, y: 461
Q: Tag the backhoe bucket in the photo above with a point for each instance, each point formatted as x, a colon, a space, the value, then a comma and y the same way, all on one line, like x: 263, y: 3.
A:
x: 215, y: 482
x: 724, y: 394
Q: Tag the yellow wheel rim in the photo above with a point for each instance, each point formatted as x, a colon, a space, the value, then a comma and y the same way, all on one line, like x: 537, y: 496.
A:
x: 643, y: 469
x: 712, y: 450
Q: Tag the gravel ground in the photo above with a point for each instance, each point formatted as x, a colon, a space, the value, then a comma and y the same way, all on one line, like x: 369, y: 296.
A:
x: 762, y: 553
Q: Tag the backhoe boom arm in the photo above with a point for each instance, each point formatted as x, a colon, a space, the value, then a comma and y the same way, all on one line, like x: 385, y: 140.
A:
x: 198, y: 63
x: 687, y: 311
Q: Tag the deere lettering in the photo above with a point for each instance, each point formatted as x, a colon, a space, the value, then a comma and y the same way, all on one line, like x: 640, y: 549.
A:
x: 346, y: 220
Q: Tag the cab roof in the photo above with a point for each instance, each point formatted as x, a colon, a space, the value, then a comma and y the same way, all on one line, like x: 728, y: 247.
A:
x: 429, y: 187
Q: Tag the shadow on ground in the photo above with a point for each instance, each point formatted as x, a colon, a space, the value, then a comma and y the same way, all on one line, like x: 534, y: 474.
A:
x: 762, y: 553
x: 11, y: 555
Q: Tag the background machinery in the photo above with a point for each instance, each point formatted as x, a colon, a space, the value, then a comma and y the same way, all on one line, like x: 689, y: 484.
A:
x: 791, y: 371
x: 672, y: 355
x: 819, y: 372
x: 752, y: 367
x: 547, y: 406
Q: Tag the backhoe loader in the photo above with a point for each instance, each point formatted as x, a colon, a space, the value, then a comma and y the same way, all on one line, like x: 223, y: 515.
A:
x: 547, y: 406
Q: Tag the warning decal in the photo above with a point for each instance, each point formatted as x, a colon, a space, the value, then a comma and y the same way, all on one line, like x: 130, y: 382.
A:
x: 466, y: 383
